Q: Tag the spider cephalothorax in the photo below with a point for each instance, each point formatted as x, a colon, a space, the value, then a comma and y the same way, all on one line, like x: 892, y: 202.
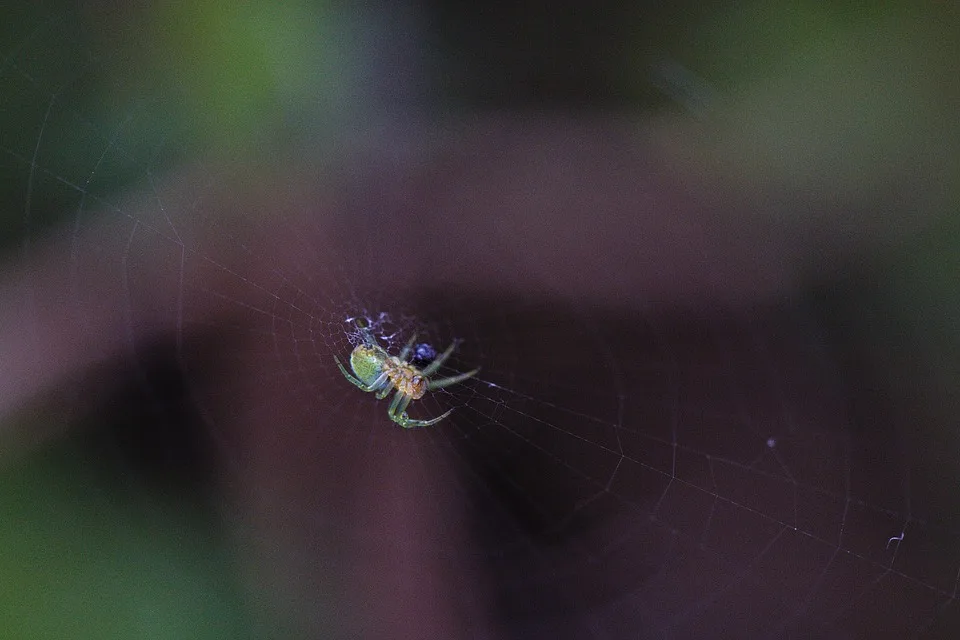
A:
x: 376, y: 370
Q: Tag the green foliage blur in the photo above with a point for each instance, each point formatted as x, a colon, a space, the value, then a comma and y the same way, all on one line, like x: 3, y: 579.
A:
x: 87, y: 555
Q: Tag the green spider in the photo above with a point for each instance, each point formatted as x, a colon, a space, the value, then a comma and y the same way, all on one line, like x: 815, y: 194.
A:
x: 376, y: 370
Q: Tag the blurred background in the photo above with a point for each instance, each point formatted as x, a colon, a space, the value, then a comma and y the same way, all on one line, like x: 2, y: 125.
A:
x: 706, y: 256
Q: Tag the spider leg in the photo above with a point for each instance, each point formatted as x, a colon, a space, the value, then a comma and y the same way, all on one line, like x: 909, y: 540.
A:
x: 383, y: 380
x: 398, y: 413
x: 373, y: 386
x: 387, y: 388
x: 433, y: 366
x: 398, y: 405
x: 410, y: 423
x: 446, y: 382
x: 348, y: 376
x: 408, y: 347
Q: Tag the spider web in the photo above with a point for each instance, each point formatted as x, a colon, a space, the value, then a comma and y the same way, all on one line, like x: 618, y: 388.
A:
x: 621, y: 472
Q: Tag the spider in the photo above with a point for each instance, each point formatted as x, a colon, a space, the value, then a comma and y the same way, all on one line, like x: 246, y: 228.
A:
x: 376, y: 370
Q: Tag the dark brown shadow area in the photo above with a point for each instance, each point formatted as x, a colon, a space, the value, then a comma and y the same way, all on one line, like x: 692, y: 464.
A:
x: 662, y: 468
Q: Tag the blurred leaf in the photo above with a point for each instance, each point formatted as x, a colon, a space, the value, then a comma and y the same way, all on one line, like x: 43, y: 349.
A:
x: 86, y: 557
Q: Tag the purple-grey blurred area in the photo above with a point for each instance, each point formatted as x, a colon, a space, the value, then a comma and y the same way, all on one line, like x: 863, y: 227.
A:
x: 706, y: 257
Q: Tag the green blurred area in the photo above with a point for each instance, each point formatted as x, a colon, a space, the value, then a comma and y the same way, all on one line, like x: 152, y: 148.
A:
x: 86, y: 554
x: 820, y: 98
x: 831, y: 101
x: 245, y: 74
x: 95, y: 99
